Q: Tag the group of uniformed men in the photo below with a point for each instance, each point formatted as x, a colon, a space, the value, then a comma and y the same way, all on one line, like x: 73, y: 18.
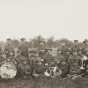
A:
x: 51, y: 62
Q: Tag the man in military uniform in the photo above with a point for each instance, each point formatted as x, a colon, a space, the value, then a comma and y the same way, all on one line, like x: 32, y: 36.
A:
x: 62, y: 63
x: 75, y: 64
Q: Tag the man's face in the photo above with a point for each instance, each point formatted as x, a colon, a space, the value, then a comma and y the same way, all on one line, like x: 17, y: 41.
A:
x: 11, y: 53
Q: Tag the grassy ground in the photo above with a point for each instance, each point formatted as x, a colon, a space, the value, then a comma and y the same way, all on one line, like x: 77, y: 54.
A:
x: 44, y: 83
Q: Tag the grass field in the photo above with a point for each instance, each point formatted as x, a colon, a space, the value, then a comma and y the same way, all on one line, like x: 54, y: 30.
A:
x: 44, y: 83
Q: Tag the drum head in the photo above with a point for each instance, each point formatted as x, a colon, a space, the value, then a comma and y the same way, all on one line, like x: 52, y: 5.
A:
x: 8, y: 70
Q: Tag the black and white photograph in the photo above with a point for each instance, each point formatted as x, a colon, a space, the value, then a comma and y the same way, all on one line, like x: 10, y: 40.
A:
x: 43, y: 43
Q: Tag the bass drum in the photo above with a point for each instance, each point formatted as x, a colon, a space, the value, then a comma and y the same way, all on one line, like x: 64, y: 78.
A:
x: 8, y: 70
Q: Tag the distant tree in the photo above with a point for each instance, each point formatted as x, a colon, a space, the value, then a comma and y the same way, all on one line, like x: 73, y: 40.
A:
x: 50, y: 42
x: 22, y: 40
x: 64, y: 42
x: 38, y: 42
x: 85, y: 42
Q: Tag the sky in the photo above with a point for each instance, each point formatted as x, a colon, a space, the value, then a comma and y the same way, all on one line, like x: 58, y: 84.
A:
x: 30, y: 18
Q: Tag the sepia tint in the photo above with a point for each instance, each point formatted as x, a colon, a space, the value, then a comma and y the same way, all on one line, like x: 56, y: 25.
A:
x: 43, y: 44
